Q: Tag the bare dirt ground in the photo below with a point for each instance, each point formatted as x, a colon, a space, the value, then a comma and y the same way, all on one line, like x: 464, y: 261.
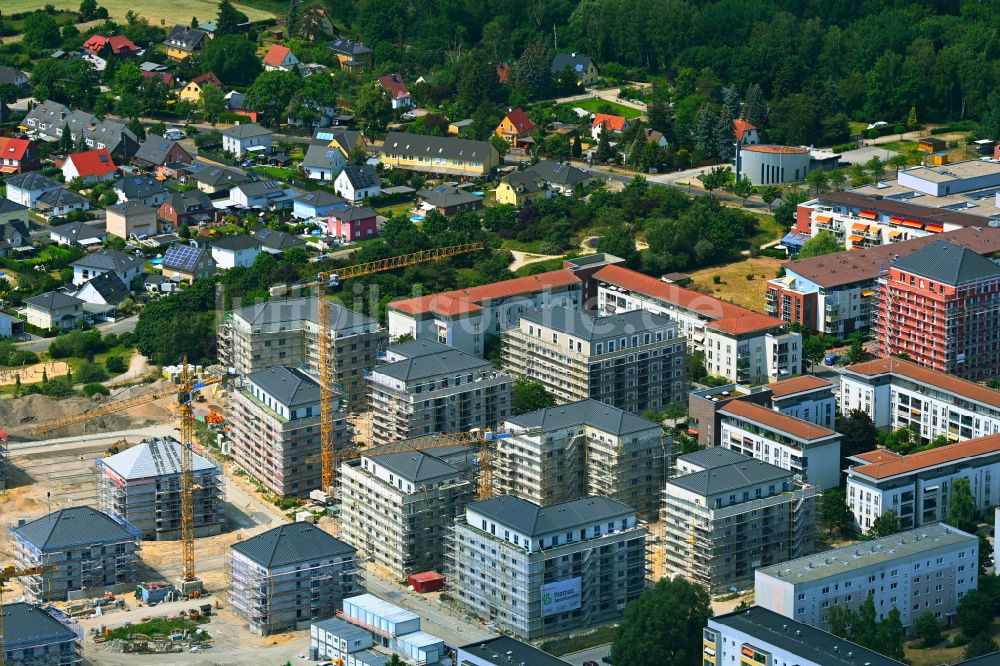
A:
x: 525, y: 258
x: 31, y: 374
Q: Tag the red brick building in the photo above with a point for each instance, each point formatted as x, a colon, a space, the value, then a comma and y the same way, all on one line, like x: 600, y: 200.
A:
x: 940, y: 306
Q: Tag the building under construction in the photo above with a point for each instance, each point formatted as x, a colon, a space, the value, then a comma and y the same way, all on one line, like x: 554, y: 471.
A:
x: 81, y: 548
x: 4, y: 469
x: 143, y: 485
x: 397, y: 508
x: 288, y: 576
x: 33, y: 636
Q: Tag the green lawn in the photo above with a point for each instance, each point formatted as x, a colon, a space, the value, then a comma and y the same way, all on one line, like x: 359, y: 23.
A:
x: 768, y: 230
x: 898, y: 146
x: 396, y: 209
x: 540, y: 267
x: 169, y: 13
x: 858, y: 128
x: 598, y: 105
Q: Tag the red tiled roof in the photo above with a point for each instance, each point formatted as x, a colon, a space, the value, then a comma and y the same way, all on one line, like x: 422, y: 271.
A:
x: 119, y: 44
x: 741, y: 126
x: 795, y: 385
x: 725, y: 317
x: 393, y: 83
x: 924, y: 459
x: 166, y: 77
x: 521, y: 122
x: 207, y: 77
x: 877, y: 456
x: 782, y: 150
x: 462, y: 301
x: 617, y: 123
x: 503, y: 72
x: 918, y: 373
x: 781, y: 422
x: 276, y: 55
x: 13, y: 149
x: 93, y: 162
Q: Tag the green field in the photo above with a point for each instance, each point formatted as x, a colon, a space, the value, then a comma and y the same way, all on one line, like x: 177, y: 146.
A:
x: 158, y: 13
x: 598, y: 105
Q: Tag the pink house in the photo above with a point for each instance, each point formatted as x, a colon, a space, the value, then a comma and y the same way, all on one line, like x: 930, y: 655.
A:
x: 353, y: 224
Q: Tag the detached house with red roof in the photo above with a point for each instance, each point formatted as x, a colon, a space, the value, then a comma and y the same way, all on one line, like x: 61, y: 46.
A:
x: 121, y: 46
x: 280, y: 58
x: 399, y: 94
x: 516, y: 128
x: 745, y: 133
x: 92, y: 166
x: 606, y: 121
x: 192, y: 91
x: 18, y: 156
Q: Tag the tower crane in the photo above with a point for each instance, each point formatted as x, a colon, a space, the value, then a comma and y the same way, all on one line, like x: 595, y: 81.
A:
x: 326, y: 280
x: 11, y: 572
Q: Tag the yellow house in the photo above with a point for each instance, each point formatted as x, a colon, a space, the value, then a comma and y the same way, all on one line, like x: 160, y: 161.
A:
x: 192, y: 91
x: 515, y: 127
x: 183, y: 41
x: 351, y: 54
x: 439, y: 155
x: 520, y: 188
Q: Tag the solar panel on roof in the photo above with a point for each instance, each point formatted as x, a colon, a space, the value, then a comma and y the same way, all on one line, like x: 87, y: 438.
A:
x: 138, y: 180
x: 214, y: 172
x: 102, y: 158
x: 579, y: 68
x: 164, y: 146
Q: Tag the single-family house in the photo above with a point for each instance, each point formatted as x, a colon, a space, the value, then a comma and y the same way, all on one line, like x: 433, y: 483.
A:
x: 322, y: 162
x: 266, y: 194
x: 448, y: 200
x: 13, y: 76
x: 166, y: 78
x: 11, y: 211
x: 90, y: 166
x: 281, y: 58
x: 348, y: 141
x: 191, y: 92
x: 157, y: 151
x: 522, y: 187
x: 357, y: 183
x: 395, y: 87
x: 144, y: 189
x: 456, y: 127
x: 318, y: 203
x: 444, y: 155
x: 53, y: 310
x: 6, y: 115
x: 154, y: 283
x: 515, y: 127
x: 217, y: 179
x: 746, y: 134
x: 313, y: 21
x: 61, y: 202
x: 104, y: 291
x: 82, y: 234
x: 582, y: 66
x: 14, y: 236
x: 607, y: 122
x: 125, y: 266
x: 183, y: 41
x: 119, y: 46
x: 131, y: 219
x: 50, y: 119
x: 655, y: 136
x: 187, y: 263
x: 354, y: 224
x: 351, y: 54
x: 184, y: 209
x: 10, y: 327
x: 246, y: 137
x: 27, y: 188
x: 18, y: 155
x: 236, y: 103
x: 276, y: 242
x: 561, y: 178
x: 239, y: 250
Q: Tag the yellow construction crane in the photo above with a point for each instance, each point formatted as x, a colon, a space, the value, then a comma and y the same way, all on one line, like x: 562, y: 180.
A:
x: 327, y: 280
x: 11, y: 572
x: 185, y: 414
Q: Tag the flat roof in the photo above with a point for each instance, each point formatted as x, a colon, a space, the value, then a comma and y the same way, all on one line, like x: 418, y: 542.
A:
x: 895, y: 208
x: 867, y: 553
x: 803, y: 430
x: 931, y: 378
x: 504, y: 651
x: 381, y: 608
x: 915, y: 462
x: 947, y: 173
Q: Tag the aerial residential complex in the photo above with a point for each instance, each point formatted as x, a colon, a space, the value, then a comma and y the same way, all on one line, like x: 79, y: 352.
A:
x: 633, y: 361
x: 543, y: 570
x: 33, y: 635
x: 925, y: 570
x: 579, y: 449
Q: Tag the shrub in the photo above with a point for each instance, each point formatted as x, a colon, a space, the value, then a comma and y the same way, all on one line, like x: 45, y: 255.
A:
x: 749, y: 277
x: 14, y: 356
x: 90, y: 372
x: 115, y: 365
x: 94, y: 389
x: 899, y: 129
x: 844, y: 147
x: 717, y: 279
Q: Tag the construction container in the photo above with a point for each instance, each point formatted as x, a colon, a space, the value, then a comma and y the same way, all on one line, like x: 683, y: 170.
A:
x: 304, y: 517
x: 430, y: 581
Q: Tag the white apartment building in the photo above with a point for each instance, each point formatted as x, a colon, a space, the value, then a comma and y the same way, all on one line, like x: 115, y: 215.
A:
x: 917, y: 487
x: 739, y: 344
x: 926, y: 570
x: 901, y: 394
x: 811, y: 452
x: 808, y: 398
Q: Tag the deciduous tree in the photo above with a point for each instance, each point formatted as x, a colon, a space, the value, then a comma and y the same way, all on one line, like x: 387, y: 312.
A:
x: 822, y: 243
x: 529, y: 396
x: 664, y: 626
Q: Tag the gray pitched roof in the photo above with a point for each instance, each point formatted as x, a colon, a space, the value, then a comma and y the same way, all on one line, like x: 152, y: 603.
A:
x: 153, y: 458
x: 127, y: 207
x: 278, y: 240
x: 256, y: 188
x: 245, y: 131
x: 725, y: 478
x: 348, y: 139
x: 561, y: 174
x: 585, y: 327
x: 32, y: 180
x: 71, y: 527
x: 421, y: 347
x: 714, y: 456
x: 216, y: 176
x: 415, y: 466
x: 14, y: 234
x: 525, y: 181
x: 320, y: 198
x: 432, y: 365
x: 584, y: 412
x: 184, y: 257
x: 154, y: 149
x: 289, y: 386
x: 27, y: 625
x: 362, y: 177
x: 8, y: 206
x: 443, y: 196
x: 575, y: 61
x: 298, y: 309
x: 109, y: 286
x: 322, y: 157
x: 292, y: 544
x: 506, y: 651
x: 75, y: 231
x: 189, y: 201
x: 946, y: 262
x: 139, y: 186
x: 237, y: 242
x: 448, y: 147
x: 9, y: 74
x: 355, y: 213
x: 185, y: 38
x: 348, y: 47
x: 531, y: 520
x: 61, y: 198
x: 111, y: 260
x: 53, y: 300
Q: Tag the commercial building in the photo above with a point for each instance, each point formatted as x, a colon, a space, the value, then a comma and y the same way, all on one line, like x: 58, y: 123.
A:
x: 899, y: 394
x: 835, y: 293
x: 465, y: 318
x: 33, y: 635
x: 504, y: 651
x: 446, y: 156
x: 397, y: 508
x: 728, y: 514
x: 82, y: 548
x: 807, y: 397
x: 286, y: 332
x: 917, y: 487
x: 739, y: 344
x: 275, y: 430
x: 142, y: 485
x: 537, y: 571
x: 764, y: 164
x: 926, y: 570
x: 580, y: 449
x: 288, y: 576
x: 634, y: 360
x: 809, y: 451
x: 940, y: 306
x: 760, y: 637
x: 437, y: 392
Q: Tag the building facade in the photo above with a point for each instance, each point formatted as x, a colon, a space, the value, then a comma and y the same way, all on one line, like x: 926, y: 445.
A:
x: 33, y: 635
x: 446, y: 156
x: 536, y: 571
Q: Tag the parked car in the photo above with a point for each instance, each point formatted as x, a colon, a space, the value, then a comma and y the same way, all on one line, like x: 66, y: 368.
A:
x: 877, y: 124
x: 174, y: 134
x: 831, y: 359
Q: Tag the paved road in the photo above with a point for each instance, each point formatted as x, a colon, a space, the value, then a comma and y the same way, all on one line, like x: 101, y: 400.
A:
x: 591, y: 654
x: 683, y: 180
x: 126, y: 325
